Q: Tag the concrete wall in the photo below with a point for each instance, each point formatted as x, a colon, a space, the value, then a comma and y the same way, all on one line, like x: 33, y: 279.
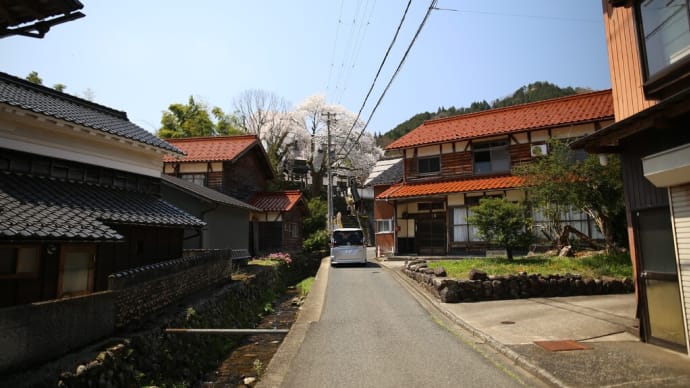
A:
x: 37, y: 332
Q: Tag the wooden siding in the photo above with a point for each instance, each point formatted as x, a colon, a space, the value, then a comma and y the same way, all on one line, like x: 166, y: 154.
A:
x: 214, y: 180
x: 624, y: 61
x: 244, y: 177
x: 680, y: 205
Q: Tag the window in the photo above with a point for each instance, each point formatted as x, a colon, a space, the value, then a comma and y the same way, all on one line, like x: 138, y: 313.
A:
x: 291, y: 229
x: 665, y: 38
x: 491, y: 157
x: 348, y: 237
x: 429, y: 165
x: 462, y: 230
x: 19, y: 261
x: 76, y: 270
x: 384, y: 226
x: 198, y: 179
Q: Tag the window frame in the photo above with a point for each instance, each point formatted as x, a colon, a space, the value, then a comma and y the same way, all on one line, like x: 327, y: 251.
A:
x: 194, y: 176
x: 428, y: 171
x: 669, y: 79
x: 384, y: 221
x: 23, y: 275
x: 89, y: 249
x: 490, y: 147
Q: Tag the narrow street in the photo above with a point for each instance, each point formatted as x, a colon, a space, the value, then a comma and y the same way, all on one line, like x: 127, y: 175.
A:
x: 373, y: 333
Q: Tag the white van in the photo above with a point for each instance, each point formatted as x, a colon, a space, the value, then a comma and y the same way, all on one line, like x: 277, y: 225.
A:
x: 348, y: 246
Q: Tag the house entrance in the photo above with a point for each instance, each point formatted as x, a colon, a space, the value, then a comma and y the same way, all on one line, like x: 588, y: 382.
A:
x: 659, y: 288
x: 430, y: 233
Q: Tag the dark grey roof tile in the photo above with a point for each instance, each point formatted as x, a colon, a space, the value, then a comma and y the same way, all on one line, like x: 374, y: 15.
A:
x: 36, y: 98
x: 49, y: 208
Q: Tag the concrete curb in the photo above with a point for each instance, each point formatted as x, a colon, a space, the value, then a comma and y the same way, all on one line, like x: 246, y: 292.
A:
x: 310, y: 312
x: 518, y: 359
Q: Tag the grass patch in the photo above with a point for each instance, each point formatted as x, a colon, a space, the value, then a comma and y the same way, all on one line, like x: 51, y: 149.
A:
x: 305, y: 286
x: 264, y: 262
x: 614, y: 265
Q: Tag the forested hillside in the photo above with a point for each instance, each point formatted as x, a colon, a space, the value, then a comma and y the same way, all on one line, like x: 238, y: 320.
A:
x: 536, y: 91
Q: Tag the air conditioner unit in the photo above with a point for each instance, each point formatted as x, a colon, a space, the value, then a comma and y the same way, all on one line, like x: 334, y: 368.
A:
x: 539, y: 150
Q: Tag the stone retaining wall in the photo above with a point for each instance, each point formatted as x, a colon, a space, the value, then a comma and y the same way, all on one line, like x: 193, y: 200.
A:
x: 141, y: 291
x: 483, y: 287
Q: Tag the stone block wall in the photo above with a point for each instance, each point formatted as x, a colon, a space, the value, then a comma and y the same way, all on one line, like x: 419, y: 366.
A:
x: 483, y: 287
x: 141, y: 291
x: 40, y: 331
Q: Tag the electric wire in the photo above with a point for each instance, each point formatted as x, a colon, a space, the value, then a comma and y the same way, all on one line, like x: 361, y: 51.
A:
x: 519, y: 15
x: 432, y: 6
x: 335, y: 44
x: 359, y: 40
x: 378, y: 73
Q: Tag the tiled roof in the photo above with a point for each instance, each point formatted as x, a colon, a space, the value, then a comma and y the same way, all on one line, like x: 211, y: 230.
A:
x: 209, y: 149
x: 575, y: 109
x: 26, y: 95
x: 43, y: 208
x: 205, y: 192
x: 280, y: 201
x: 385, y: 172
x: 410, y: 190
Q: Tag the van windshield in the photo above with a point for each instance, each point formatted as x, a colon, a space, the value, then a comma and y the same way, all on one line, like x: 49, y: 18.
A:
x: 348, y: 237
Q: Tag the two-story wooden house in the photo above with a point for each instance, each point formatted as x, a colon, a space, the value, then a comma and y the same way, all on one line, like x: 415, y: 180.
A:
x: 649, y: 58
x: 450, y: 163
x: 238, y: 166
x: 79, y: 195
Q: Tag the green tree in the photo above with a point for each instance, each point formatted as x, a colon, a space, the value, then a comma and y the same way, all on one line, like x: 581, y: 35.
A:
x: 193, y: 119
x: 562, y: 180
x: 34, y: 78
x: 502, y: 222
x: 60, y: 87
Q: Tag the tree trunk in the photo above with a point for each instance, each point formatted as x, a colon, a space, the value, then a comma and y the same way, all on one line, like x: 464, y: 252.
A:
x: 509, y: 253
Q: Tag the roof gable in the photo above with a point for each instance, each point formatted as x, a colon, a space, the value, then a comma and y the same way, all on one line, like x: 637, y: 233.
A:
x: 386, y: 171
x: 40, y: 99
x: 213, y: 148
x: 279, y: 201
x: 570, y: 110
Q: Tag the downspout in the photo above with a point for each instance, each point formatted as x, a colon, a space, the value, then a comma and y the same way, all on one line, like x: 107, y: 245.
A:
x: 202, y: 215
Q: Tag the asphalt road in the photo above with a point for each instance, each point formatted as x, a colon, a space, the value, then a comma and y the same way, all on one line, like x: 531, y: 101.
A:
x: 374, y: 333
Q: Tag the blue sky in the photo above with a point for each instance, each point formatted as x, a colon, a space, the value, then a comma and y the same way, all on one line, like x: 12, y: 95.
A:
x: 141, y: 56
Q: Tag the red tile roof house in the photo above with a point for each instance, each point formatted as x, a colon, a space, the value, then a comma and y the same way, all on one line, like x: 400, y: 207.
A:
x: 450, y: 163
x: 82, y: 225
x: 239, y: 167
x: 280, y: 222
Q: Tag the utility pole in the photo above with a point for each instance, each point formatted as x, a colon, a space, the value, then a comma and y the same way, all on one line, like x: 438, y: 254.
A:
x: 328, y: 116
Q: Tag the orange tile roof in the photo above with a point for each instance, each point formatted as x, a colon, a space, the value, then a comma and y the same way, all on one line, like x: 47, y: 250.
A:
x: 575, y: 109
x: 409, y: 190
x: 279, y: 201
x: 214, y: 148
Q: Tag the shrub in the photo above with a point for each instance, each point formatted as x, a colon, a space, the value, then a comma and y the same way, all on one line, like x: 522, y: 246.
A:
x: 317, y: 241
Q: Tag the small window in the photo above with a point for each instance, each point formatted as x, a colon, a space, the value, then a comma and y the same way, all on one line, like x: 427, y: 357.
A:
x: 430, y: 206
x: 384, y: 226
x: 19, y: 261
x: 430, y: 165
x: 491, y: 157
x: 76, y: 274
x: 197, y: 179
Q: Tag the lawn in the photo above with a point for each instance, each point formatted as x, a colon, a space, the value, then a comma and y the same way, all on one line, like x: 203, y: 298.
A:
x: 614, y: 265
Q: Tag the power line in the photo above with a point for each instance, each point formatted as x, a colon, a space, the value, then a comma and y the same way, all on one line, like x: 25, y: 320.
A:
x: 519, y: 15
x: 432, y: 6
x: 378, y: 72
x: 335, y: 44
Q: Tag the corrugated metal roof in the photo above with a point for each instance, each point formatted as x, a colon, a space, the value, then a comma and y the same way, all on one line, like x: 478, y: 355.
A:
x: 386, y: 171
x: 205, y: 192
